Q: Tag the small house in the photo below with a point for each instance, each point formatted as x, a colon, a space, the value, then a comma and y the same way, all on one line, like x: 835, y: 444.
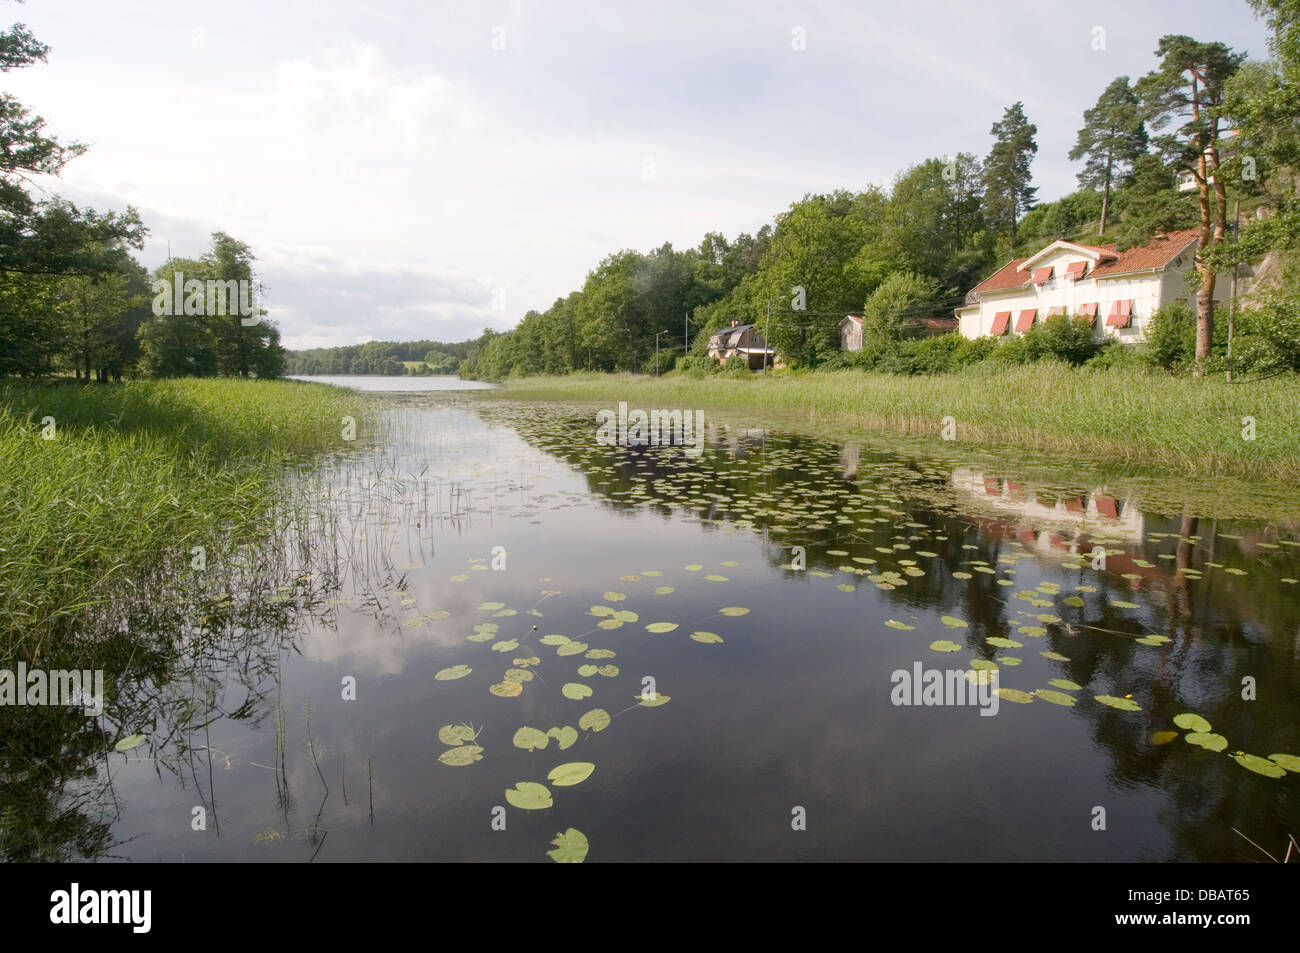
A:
x: 743, y: 341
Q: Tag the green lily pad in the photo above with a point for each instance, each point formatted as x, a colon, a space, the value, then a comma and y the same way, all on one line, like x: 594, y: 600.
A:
x: 529, y: 796
x: 734, y: 610
x: 455, y: 734
x: 661, y: 626
x: 694, y: 567
x: 586, y: 671
x: 1124, y: 605
x: 566, y: 737
x: 1259, y: 765
x: 708, y: 638
x: 1014, y: 695
x: 575, y: 690
x: 1206, y: 740
x: 601, y: 653
x: 1066, y: 684
x: 608, y: 671
x: 1056, y: 698
x: 664, y: 590
x: 625, y: 615
x: 567, y: 775
x: 572, y: 648
x: 570, y: 847
x: 1054, y: 656
x: 1191, y: 722
x: 1073, y: 601
x: 1033, y: 631
x: 456, y: 671
x: 601, y: 610
x: 492, y: 606
x: 506, y: 645
x: 554, y: 639
x: 530, y: 739
x: 595, y: 720
x: 952, y: 622
x: 654, y: 701
x: 1123, y: 704
x: 1002, y: 643
x: 945, y: 645
x: 1163, y: 737
x: 518, y: 675
x: 461, y: 756
x: 1288, y: 761
x: 982, y: 665
x: 129, y: 742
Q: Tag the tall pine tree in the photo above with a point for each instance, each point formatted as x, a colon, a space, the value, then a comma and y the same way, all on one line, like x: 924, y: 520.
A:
x: 1111, y: 140
x: 1007, y: 191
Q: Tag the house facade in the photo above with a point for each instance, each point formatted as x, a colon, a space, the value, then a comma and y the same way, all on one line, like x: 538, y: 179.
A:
x: 851, y: 329
x: 743, y: 341
x: 1115, y: 292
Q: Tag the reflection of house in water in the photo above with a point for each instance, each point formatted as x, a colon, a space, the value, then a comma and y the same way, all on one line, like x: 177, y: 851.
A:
x: 1094, y: 513
x: 736, y: 439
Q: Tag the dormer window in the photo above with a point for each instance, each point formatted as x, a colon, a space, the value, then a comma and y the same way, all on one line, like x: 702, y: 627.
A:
x: 1042, y: 275
x: 1075, y: 269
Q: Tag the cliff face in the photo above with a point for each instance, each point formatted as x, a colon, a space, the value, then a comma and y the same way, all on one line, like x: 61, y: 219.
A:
x: 1266, y: 276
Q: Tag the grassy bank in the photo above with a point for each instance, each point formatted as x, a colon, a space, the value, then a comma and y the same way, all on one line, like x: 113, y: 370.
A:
x: 1122, y: 415
x: 135, y: 475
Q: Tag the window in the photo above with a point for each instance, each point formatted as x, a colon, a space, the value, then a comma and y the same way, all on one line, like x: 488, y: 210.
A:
x: 1026, y: 319
x: 1121, y: 313
x: 1087, y: 313
x: 1000, y: 322
x: 1042, y: 275
x: 1075, y: 269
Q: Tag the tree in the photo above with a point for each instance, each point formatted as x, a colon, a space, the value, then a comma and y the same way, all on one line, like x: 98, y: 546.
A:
x: 900, y: 297
x: 1007, y: 191
x: 1187, y: 90
x: 1111, y: 140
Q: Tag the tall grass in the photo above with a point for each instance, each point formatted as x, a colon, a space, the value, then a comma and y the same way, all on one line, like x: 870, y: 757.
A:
x: 136, y: 474
x: 1104, y: 414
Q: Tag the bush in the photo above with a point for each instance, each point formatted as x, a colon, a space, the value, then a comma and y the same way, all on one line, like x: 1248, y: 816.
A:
x: 667, y: 360
x: 698, y: 365
x: 1113, y: 354
x: 1069, y: 340
x: 1171, y: 337
x: 736, y: 367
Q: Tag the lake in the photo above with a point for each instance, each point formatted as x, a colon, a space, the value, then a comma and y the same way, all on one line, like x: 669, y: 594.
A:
x: 720, y: 648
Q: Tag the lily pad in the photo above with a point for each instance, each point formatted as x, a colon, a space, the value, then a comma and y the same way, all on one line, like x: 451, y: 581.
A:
x: 567, y: 775
x: 945, y: 645
x: 462, y: 755
x: 506, y: 645
x: 1206, y: 740
x: 654, y: 701
x: 1163, y: 737
x: 708, y: 638
x: 734, y: 610
x: 518, y: 675
x: 129, y: 742
x: 661, y: 626
x: 1259, y: 765
x: 586, y: 671
x: 506, y: 689
x: 1014, y: 695
x: 1004, y: 643
x: 1066, y: 684
x: 1056, y: 698
x: 530, y: 739
x: 492, y: 606
x: 455, y: 734
x: 570, y: 847
x: 566, y: 736
x: 1123, y: 704
x: 1288, y: 761
x: 1191, y: 722
x: 529, y: 796
x: 554, y: 639
x: 952, y: 622
x: 895, y: 624
x: 575, y: 690
x: 572, y: 648
x: 595, y: 720
x: 456, y: 671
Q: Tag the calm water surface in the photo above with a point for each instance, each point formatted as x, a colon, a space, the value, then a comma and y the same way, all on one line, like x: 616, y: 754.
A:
x: 465, y: 530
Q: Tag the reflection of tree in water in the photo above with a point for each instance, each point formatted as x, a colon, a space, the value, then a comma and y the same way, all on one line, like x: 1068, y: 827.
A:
x: 1212, y: 589
x: 184, y: 651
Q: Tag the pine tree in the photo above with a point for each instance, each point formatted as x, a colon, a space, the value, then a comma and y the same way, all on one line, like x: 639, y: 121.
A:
x: 1007, y: 191
x: 1112, y: 139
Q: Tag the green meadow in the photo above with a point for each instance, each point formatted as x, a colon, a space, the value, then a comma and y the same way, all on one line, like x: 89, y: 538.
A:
x: 129, y: 477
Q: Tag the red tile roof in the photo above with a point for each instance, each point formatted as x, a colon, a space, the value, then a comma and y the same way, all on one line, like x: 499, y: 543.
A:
x: 1155, y: 254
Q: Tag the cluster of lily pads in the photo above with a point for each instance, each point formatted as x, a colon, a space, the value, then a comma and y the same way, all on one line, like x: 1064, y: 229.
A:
x: 1199, y: 733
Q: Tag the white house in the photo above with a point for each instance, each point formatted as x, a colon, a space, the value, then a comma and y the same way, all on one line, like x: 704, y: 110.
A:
x: 1116, y: 292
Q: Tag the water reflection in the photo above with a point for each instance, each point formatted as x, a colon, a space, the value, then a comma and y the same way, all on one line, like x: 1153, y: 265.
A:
x: 381, y: 570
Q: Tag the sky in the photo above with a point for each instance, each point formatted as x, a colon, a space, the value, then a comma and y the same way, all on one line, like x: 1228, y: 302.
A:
x: 426, y: 169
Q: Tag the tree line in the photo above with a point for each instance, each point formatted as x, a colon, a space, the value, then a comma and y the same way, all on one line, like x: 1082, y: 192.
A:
x: 1159, y: 154
x: 73, y: 299
x: 380, y: 357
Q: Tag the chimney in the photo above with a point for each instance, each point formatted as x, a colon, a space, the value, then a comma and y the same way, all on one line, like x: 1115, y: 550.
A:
x: 735, y: 321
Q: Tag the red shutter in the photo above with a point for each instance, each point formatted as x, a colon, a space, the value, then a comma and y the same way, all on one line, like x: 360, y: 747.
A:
x: 1026, y: 319
x: 1120, y: 314
x: 1000, y: 322
x: 1042, y: 274
x: 1053, y: 311
x: 1087, y: 313
x: 1075, y: 269
x: 1106, y: 506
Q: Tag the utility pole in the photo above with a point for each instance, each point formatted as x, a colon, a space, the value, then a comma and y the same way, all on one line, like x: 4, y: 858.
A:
x: 1232, y: 302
